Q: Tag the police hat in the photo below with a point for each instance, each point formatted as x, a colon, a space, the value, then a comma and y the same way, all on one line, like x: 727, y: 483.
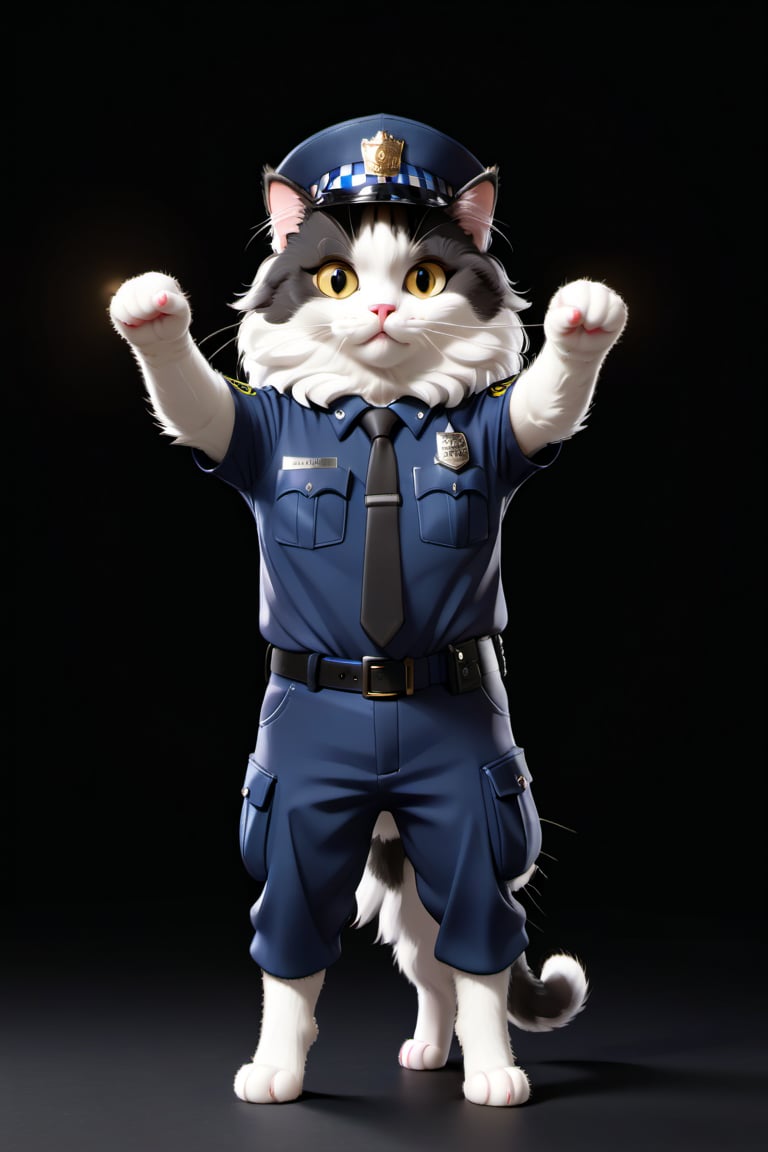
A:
x: 381, y: 158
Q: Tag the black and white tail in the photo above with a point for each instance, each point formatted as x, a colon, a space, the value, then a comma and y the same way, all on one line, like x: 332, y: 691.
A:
x: 551, y: 1000
x: 388, y: 891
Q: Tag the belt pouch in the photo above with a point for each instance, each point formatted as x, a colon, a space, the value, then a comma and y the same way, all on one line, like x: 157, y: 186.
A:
x: 463, y: 667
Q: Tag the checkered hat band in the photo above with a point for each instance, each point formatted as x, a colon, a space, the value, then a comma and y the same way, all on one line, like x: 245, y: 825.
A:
x: 351, y: 176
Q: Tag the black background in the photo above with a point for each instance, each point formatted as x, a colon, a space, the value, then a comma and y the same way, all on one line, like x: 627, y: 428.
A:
x: 630, y: 147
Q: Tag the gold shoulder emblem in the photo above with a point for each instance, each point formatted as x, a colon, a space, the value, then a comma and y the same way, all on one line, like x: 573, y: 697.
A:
x: 500, y: 388
x: 245, y: 388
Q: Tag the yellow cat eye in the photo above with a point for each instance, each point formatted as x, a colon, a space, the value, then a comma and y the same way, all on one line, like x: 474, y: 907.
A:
x: 336, y: 279
x: 426, y: 279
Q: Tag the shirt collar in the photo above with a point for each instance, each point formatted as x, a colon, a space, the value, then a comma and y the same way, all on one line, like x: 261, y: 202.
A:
x: 345, y: 414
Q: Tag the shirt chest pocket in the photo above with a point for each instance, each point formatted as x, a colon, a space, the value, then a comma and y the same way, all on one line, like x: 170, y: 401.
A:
x: 453, y: 506
x: 311, y: 506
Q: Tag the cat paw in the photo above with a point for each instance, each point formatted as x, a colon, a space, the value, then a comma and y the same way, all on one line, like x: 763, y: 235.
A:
x: 150, y: 309
x: 420, y: 1056
x: 584, y: 319
x: 501, y: 1087
x: 265, y: 1084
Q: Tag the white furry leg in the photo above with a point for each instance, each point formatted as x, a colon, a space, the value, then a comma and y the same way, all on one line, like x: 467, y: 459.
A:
x: 414, y: 933
x: 490, y: 1074
x: 431, y: 1041
x: 288, y: 1031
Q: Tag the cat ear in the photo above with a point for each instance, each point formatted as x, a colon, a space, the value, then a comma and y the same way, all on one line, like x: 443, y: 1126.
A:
x: 473, y: 207
x: 288, y: 206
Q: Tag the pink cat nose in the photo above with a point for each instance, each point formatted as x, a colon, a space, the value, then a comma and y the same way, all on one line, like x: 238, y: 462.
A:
x: 382, y: 311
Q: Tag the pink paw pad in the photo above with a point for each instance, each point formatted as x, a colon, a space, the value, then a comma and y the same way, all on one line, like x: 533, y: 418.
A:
x: 499, y: 1088
x: 419, y: 1055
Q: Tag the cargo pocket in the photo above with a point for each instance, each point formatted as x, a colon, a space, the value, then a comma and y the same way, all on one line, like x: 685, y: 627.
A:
x: 513, y: 822
x: 257, y: 794
x: 311, y: 506
x: 453, y: 506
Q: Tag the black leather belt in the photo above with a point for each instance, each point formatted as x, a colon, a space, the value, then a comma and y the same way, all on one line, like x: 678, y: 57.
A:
x: 460, y: 668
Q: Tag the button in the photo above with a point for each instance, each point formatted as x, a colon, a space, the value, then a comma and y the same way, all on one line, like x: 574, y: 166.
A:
x: 245, y: 791
x: 419, y: 415
x: 339, y: 413
x: 308, y: 487
x: 521, y: 780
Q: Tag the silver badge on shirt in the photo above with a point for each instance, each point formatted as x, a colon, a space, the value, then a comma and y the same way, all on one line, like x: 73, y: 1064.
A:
x: 452, y: 449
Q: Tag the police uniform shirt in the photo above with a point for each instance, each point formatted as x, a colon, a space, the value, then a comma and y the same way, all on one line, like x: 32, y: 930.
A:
x: 302, y: 471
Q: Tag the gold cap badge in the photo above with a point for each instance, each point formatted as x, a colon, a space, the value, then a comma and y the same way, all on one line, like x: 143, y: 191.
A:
x: 382, y: 154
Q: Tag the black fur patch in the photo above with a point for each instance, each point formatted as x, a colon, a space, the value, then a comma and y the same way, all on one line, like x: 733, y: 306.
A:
x: 386, y: 861
x: 530, y: 999
x: 330, y: 234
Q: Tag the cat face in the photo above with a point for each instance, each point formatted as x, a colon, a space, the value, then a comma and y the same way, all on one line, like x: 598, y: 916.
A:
x: 384, y: 301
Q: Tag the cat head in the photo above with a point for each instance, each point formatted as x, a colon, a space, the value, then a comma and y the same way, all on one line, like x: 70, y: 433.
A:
x: 380, y: 282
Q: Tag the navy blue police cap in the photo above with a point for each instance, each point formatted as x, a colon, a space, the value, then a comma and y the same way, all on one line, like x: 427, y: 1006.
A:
x: 381, y: 158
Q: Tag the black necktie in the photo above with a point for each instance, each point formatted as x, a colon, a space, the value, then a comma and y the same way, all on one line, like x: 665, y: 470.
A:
x: 381, y: 609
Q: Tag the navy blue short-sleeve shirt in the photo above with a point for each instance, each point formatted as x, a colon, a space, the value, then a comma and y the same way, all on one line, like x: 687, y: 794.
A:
x: 302, y: 472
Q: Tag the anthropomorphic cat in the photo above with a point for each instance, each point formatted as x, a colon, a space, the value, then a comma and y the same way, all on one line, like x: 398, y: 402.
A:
x: 385, y: 778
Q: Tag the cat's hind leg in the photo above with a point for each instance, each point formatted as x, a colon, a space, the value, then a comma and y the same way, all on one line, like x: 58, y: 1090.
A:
x: 413, y: 932
x: 490, y: 1073
x: 288, y: 1030
x: 388, y: 890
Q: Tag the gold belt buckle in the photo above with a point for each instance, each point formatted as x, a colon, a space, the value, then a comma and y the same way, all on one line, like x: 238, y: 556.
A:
x: 372, y: 663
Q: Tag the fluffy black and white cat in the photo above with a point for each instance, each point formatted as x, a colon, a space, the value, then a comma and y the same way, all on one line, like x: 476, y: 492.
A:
x: 313, y: 326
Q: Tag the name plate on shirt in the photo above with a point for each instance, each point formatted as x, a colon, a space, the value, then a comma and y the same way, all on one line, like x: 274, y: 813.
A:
x: 310, y: 461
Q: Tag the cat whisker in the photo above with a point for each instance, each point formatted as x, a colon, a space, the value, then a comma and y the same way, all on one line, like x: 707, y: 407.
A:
x: 319, y: 331
x: 489, y: 345
x: 420, y: 234
x: 475, y: 334
x: 432, y: 343
x: 222, y: 347
x: 453, y: 324
x: 527, y: 891
x: 227, y: 343
x: 555, y: 824
x: 549, y: 856
x: 257, y: 231
x: 316, y: 331
x: 218, y: 331
x: 441, y: 334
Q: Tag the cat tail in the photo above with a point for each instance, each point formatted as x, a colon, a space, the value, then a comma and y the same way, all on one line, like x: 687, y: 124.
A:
x: 370, y: 897
x: 551, y: 1000
x: 382, y: 881
x: 534, y: 1003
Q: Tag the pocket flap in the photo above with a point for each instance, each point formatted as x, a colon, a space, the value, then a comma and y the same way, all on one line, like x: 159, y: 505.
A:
x: 509, y: 776
x: 438, y: 478
x: 312, y: 482
x: 258, y: 785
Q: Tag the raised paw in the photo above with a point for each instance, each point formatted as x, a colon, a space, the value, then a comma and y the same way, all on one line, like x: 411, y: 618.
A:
x: 265, y: 1084
x: 150, y: 309
x: 584, y: 319
x: 420, y: 1056
x: 501, y: 1087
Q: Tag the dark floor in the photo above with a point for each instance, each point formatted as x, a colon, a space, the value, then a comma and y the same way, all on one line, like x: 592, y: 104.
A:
x: 138, y: 1054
